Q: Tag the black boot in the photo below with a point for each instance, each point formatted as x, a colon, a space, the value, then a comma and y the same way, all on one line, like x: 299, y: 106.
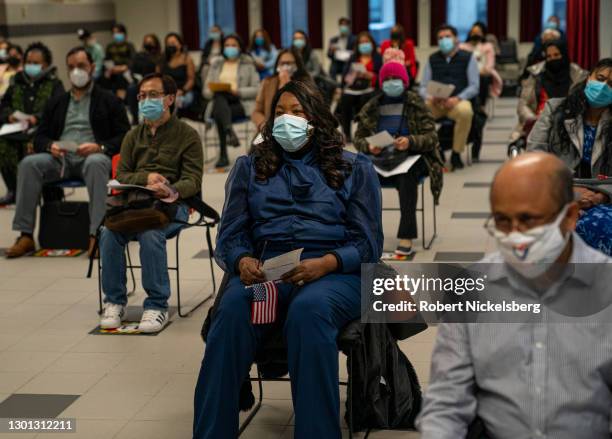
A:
x: 223, y: 161
x: 456, y: 162
x: 8, y: 199
x: 232, y: 138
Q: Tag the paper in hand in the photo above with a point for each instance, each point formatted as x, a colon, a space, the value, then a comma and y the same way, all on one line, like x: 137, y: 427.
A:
x: 275, y: 267
x: 67, y: 145
x: 21, y: 116
x: 439, y: 90
x: 381, y: 139
x: 342, y: 55
x: 10, y: 128
x: 117, y: 186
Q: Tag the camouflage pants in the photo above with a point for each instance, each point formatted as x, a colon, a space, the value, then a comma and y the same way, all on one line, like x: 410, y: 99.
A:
x: 11, y: 152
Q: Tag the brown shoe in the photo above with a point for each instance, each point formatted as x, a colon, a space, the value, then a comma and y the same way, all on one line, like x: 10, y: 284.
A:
x: 92, y: 241
x: 22, y: 246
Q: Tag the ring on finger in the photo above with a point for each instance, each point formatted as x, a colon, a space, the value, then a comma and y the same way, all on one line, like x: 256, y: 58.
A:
x: 300, y: 283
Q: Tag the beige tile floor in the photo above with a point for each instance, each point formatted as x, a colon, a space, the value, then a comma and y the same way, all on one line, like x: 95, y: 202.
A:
x: 142, y: 387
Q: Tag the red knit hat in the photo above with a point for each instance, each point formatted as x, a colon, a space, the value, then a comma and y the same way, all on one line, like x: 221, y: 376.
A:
x: 393, y: 68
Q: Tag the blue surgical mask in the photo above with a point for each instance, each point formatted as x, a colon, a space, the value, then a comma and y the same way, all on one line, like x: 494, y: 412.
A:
x: 260, y: 41
x: 446, y: 45
x: 393, y: 87
x: 215, y: 36
x: 299, y: 43
x: 231, y: 52
x: 151, y: 109
x: 33, y: 70
x: 119, y: 37
x: 365, y: 48
x: 291, y: 132
x: 599, y: 94
x: 344, y: 29
x: 552, y: 25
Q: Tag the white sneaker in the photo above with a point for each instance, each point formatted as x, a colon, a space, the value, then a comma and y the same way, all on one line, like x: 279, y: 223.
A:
x: 111, y: 316
x: 153, y: 320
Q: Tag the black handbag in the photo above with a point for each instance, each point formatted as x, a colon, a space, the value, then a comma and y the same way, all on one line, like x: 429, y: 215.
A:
x: 64, y: 225
x: 136, y: 211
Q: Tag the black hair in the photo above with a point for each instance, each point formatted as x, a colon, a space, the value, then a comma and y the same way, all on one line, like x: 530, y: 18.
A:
x: 563, y: 185
x: 266, y: 36
x: 401, y: 31
x: 574, y: 107
x: 168, y: 83
x: 156, y: 42
x: 559, y: 44
x: 325, y: 139
x: 482, y: 26
x: 16, y: 47
x: 344, y: 20
x: 44, y: 50
x: 446, y: 26
x: 121, y: 28
x: 300, y: 74
x: 78, y: 49
x: 235, y: 37
x: 365, y: 33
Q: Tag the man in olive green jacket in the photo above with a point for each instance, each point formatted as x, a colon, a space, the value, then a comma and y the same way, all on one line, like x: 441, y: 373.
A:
x: 164, y: 154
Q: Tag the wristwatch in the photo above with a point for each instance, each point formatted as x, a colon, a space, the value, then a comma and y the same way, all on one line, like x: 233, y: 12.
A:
x: 103, y: 149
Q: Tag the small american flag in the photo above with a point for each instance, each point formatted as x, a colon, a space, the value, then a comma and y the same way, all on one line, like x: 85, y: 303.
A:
x: 265, y: 299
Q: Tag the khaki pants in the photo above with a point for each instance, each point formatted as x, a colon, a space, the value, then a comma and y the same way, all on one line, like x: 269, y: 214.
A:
x: 462, y: 115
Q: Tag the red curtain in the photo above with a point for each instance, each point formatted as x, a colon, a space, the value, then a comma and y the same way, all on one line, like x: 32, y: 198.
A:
x: 270, y: 20
x: 241, y: 9
x: 583, y: 32
x: 407, y: 14
x: 531, y: 19
x: 438, y: 17
x: 190, y: 27
x: 497, y: 18
x: 360, y: 15
x: 315, y: 30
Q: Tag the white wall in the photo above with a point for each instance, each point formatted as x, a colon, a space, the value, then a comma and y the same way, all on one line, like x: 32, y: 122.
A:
x: 148, y: 16
x: 605, y: 28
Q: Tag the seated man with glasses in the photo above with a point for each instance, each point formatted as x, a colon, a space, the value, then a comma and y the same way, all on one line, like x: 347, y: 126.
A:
x: 550, y: 377
x: 164, y: 154
x: 78, y: 134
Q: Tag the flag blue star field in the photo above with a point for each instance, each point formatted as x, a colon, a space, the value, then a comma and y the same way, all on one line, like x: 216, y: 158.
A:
x: 265, y: 300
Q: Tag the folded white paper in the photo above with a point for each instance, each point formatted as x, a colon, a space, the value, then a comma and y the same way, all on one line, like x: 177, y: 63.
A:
x: 402, y: 168
x: 10, y: 128
x: 116, y: 185
x: 67, y: 145
x: 381, y: 139
x: 439, y: 90
x: 21, y: 116
x: 275, y: 267
x: 342, y: 55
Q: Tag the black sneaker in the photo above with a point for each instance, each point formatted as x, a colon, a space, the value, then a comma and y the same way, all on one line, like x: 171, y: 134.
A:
x: 232, y: 139
x: 8, y: 199
x: 223, y: 162
x: 456, y: 162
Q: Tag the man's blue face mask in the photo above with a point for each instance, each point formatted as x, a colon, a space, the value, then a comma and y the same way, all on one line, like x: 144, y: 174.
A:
x: 599, y: 94
x: 291, y: 132
x: 151, y: 109
x: 446, y: 45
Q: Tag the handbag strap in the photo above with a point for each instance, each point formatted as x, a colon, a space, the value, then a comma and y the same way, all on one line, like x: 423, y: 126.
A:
x: 403, y: 117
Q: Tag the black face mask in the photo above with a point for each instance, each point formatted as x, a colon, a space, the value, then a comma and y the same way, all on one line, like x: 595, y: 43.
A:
x: 13, y: 61
x: 171, y: 50
x: 150, y: 48
x: 396, y: 36
x: 554, y: 65
x: 476, y: 38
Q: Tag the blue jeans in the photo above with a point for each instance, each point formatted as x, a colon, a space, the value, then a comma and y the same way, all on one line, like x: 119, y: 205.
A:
x: 153, y: 258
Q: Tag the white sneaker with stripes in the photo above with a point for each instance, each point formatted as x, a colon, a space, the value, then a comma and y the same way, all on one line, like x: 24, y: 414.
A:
x: 153, y: 320
x: 111, y: 316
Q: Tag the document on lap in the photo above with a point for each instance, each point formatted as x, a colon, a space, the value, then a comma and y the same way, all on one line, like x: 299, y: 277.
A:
x: 439, y: 89
x: 275, y: 267
x: 11, y: 128
x: 402, y: 168
x: 117, y: 186
x: 67, y: 145
x: 381, y: 139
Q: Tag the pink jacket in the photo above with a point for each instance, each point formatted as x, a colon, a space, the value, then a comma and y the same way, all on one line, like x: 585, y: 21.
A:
x: 486, y: 62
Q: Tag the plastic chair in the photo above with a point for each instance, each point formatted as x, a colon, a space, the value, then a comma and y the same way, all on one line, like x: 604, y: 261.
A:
x: 426, y: 243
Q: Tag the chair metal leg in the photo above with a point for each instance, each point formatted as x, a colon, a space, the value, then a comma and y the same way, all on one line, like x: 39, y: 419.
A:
x: 349, y: 393
x: 130, y: 267
x: 178, y: 283
x: 255, y: 409
x: 427, y: 245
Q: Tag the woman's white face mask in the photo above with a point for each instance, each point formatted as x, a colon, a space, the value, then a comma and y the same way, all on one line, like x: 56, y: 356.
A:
x: 532, y: 253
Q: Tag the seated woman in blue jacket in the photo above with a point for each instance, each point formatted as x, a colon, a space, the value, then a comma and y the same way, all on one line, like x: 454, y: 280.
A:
x: 296, y: 189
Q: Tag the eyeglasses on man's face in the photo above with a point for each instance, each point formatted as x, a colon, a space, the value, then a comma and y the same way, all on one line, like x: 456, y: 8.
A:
x: 153, y: 94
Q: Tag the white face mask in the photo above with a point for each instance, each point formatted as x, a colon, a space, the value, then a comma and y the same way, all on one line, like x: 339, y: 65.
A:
x: 532, y: 253
x: 79, y: 77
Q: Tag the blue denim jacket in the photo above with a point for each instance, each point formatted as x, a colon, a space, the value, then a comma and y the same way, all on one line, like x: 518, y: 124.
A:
x: 297, y: 208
